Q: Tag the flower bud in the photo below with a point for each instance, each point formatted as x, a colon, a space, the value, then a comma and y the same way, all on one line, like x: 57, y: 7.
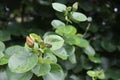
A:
x: 29, y: 42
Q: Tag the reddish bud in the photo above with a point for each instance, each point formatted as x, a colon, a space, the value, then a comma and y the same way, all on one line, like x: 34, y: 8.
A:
x: 29, y: 42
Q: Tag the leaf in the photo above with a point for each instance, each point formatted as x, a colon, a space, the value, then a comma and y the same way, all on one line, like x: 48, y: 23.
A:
x: 71, y: 39
x: 89, y: 51
x: 59, y: 7
x: 69, y: 49
x: 3, y: 75
x: 101, y: 75
x: 91, y: 73
x: 4, y: 36
x: 66, y: 30
x: 56, y: 73
x: 19, y: 76
x: 76, y: 40
x: 22, y: 61
x: 57, y: 23
x: 35, y: 37
x: 4, y: 60
x: 72, y: 58
x: 13, y: 50
x: 82, y: 43
x: 78, y: 17
x: 61, y: 53
x: 55, y: 40
x: 1, y: 55
x: 49, y: 57
x: 41, y: 69
x: 2, y: 46
x: 95, y: 59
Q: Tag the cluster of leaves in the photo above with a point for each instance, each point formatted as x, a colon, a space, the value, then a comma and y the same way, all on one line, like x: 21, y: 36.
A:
x: 63, y: 53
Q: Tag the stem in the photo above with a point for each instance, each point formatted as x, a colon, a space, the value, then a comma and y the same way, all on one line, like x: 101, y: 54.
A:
x: 87, y: 29
x: 35, y: 52
x: 93, y: 78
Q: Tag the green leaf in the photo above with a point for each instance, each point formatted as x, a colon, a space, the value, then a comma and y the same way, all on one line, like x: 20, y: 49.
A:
x: 2, y: 46
x: 72, y: 58
x: 78, y: 17
x: 4, y: 36
x: 66, y: 30
x: 35, y: 37
x: 71, y: 39
x: 49, y: 57
x: 41, y: 69
x: 55, y: 40
x: 61, y: 53
x: 89, y: 51
x: 69, y: 49
x: 57, y: 23
x: 4, y: 60
x: 59, y: 7
x: 82, y: 43
x: 22, y: 61
x: 56, y: 73
x: 1, y: 55
x: 19, y: 76
x: 13, y: 50
x: 95, y: 59
x: 91, y: 73
x: 3, y: 75
x: 101, y: 75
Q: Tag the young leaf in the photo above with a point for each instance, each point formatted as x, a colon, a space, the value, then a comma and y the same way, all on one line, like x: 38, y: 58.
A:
x: 57, y: 23
x: 59, y: 7
x: 22, y: 61
x: 56, y: 73
x: 41, y: 69
x: 2, y: 46
x: 4, y: 60
x: 66, y: 30
x: 78, y: 17
x: 55, y: 40
x: 75, y: 6
x: 91, y: 73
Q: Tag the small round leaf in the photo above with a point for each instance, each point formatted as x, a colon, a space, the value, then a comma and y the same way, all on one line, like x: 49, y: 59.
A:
x: 55, y: 40
x: 78, y: 17
x: 59, y: 7
x: 57, y: 23
x: 22, y: 61
x: 41, y: 69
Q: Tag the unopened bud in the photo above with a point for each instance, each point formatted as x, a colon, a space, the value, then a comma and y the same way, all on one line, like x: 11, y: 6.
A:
x: 29, y: 42
x: 75, y: 6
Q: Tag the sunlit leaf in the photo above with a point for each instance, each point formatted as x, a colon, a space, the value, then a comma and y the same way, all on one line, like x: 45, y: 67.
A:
x: 22, y: 61
x: 55, y: 40
x: 59, y: 7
